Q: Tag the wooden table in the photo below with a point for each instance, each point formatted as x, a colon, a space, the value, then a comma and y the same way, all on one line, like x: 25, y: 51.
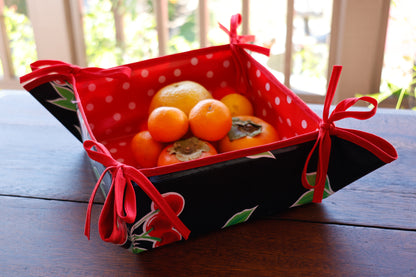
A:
x: 366, y: 229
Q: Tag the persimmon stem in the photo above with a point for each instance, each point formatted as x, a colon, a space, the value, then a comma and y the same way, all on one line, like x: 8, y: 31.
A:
x: 188, y: 149
x: 244, y: 128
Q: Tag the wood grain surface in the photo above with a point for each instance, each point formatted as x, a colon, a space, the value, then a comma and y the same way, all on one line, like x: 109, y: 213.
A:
x: 366, y: 229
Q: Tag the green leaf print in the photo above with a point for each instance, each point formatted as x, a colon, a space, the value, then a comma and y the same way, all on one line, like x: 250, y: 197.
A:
x: 267, y: 154
x: 304, y: 199
x: 311, y: 179
x: 308, y: 196
x: 240, y: 217
x: 67, y: 100
x: 137, y: 250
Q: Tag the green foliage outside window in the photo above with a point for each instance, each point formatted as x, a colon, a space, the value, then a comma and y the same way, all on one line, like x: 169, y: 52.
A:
x: 21, y: 39
x: 107, y: 46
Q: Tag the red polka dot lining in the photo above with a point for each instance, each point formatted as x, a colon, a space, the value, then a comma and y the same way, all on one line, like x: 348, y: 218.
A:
x: 117, y: 109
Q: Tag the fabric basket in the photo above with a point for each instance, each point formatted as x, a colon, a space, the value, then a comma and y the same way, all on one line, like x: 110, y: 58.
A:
x: 150, y: 207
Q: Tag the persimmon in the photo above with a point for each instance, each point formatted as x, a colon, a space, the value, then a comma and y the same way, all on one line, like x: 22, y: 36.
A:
x: 145, y: 149
x: 167, y: 124
x: 246, y: 132
x: 185, y: 150
x: 210, y: 120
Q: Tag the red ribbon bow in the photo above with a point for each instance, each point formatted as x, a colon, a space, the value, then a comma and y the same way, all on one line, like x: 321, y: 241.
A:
x: 44, y: 71
x: 120, y: 204
x: 327, y: 128
x: 236, y: 39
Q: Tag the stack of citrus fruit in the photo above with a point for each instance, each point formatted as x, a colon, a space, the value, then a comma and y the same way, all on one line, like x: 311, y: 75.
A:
x: 185, y: 123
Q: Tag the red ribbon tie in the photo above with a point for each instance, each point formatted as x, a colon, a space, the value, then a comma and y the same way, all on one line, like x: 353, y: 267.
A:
x: 243, y: 40
x: 120, y: 205
x: 328, y: 128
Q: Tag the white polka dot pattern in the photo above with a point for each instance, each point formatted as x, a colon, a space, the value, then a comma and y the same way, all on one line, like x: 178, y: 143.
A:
x: 117, y: 116
x: 117, y: 108
x: 177, y: 72
x: 132, y: 105
x: 109, y: 99
x: 162, y: 79
x: 92, y: 87
x: 145, y: 73
x: 126, y: 85
x: 194, y: 61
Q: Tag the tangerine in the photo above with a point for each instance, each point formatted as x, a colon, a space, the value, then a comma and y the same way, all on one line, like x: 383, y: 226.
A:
x: 210, y: 120
x: 145, y: 149
x: 167, y: 124
x: 185, y: 150
x: 246, y: 132
x: 238, y: 104
x: 182, y: 95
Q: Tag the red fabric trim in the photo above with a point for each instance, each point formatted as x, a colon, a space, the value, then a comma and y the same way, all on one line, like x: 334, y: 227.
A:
x: 181, y: 56
x: 376, y: 145
x: 49, y: 70
x: 222, y: 157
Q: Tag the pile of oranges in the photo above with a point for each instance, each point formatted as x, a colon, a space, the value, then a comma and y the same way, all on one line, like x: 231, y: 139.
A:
x: 185, y: 123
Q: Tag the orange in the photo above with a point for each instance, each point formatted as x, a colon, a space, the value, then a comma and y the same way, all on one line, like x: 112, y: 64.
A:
x: 210, y: 120
x: 185, y: 150
x: 145, y: 149
x: 167, y: 124
x: 238, y: 104
x: 248, y: 131
x: 182, y: 95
